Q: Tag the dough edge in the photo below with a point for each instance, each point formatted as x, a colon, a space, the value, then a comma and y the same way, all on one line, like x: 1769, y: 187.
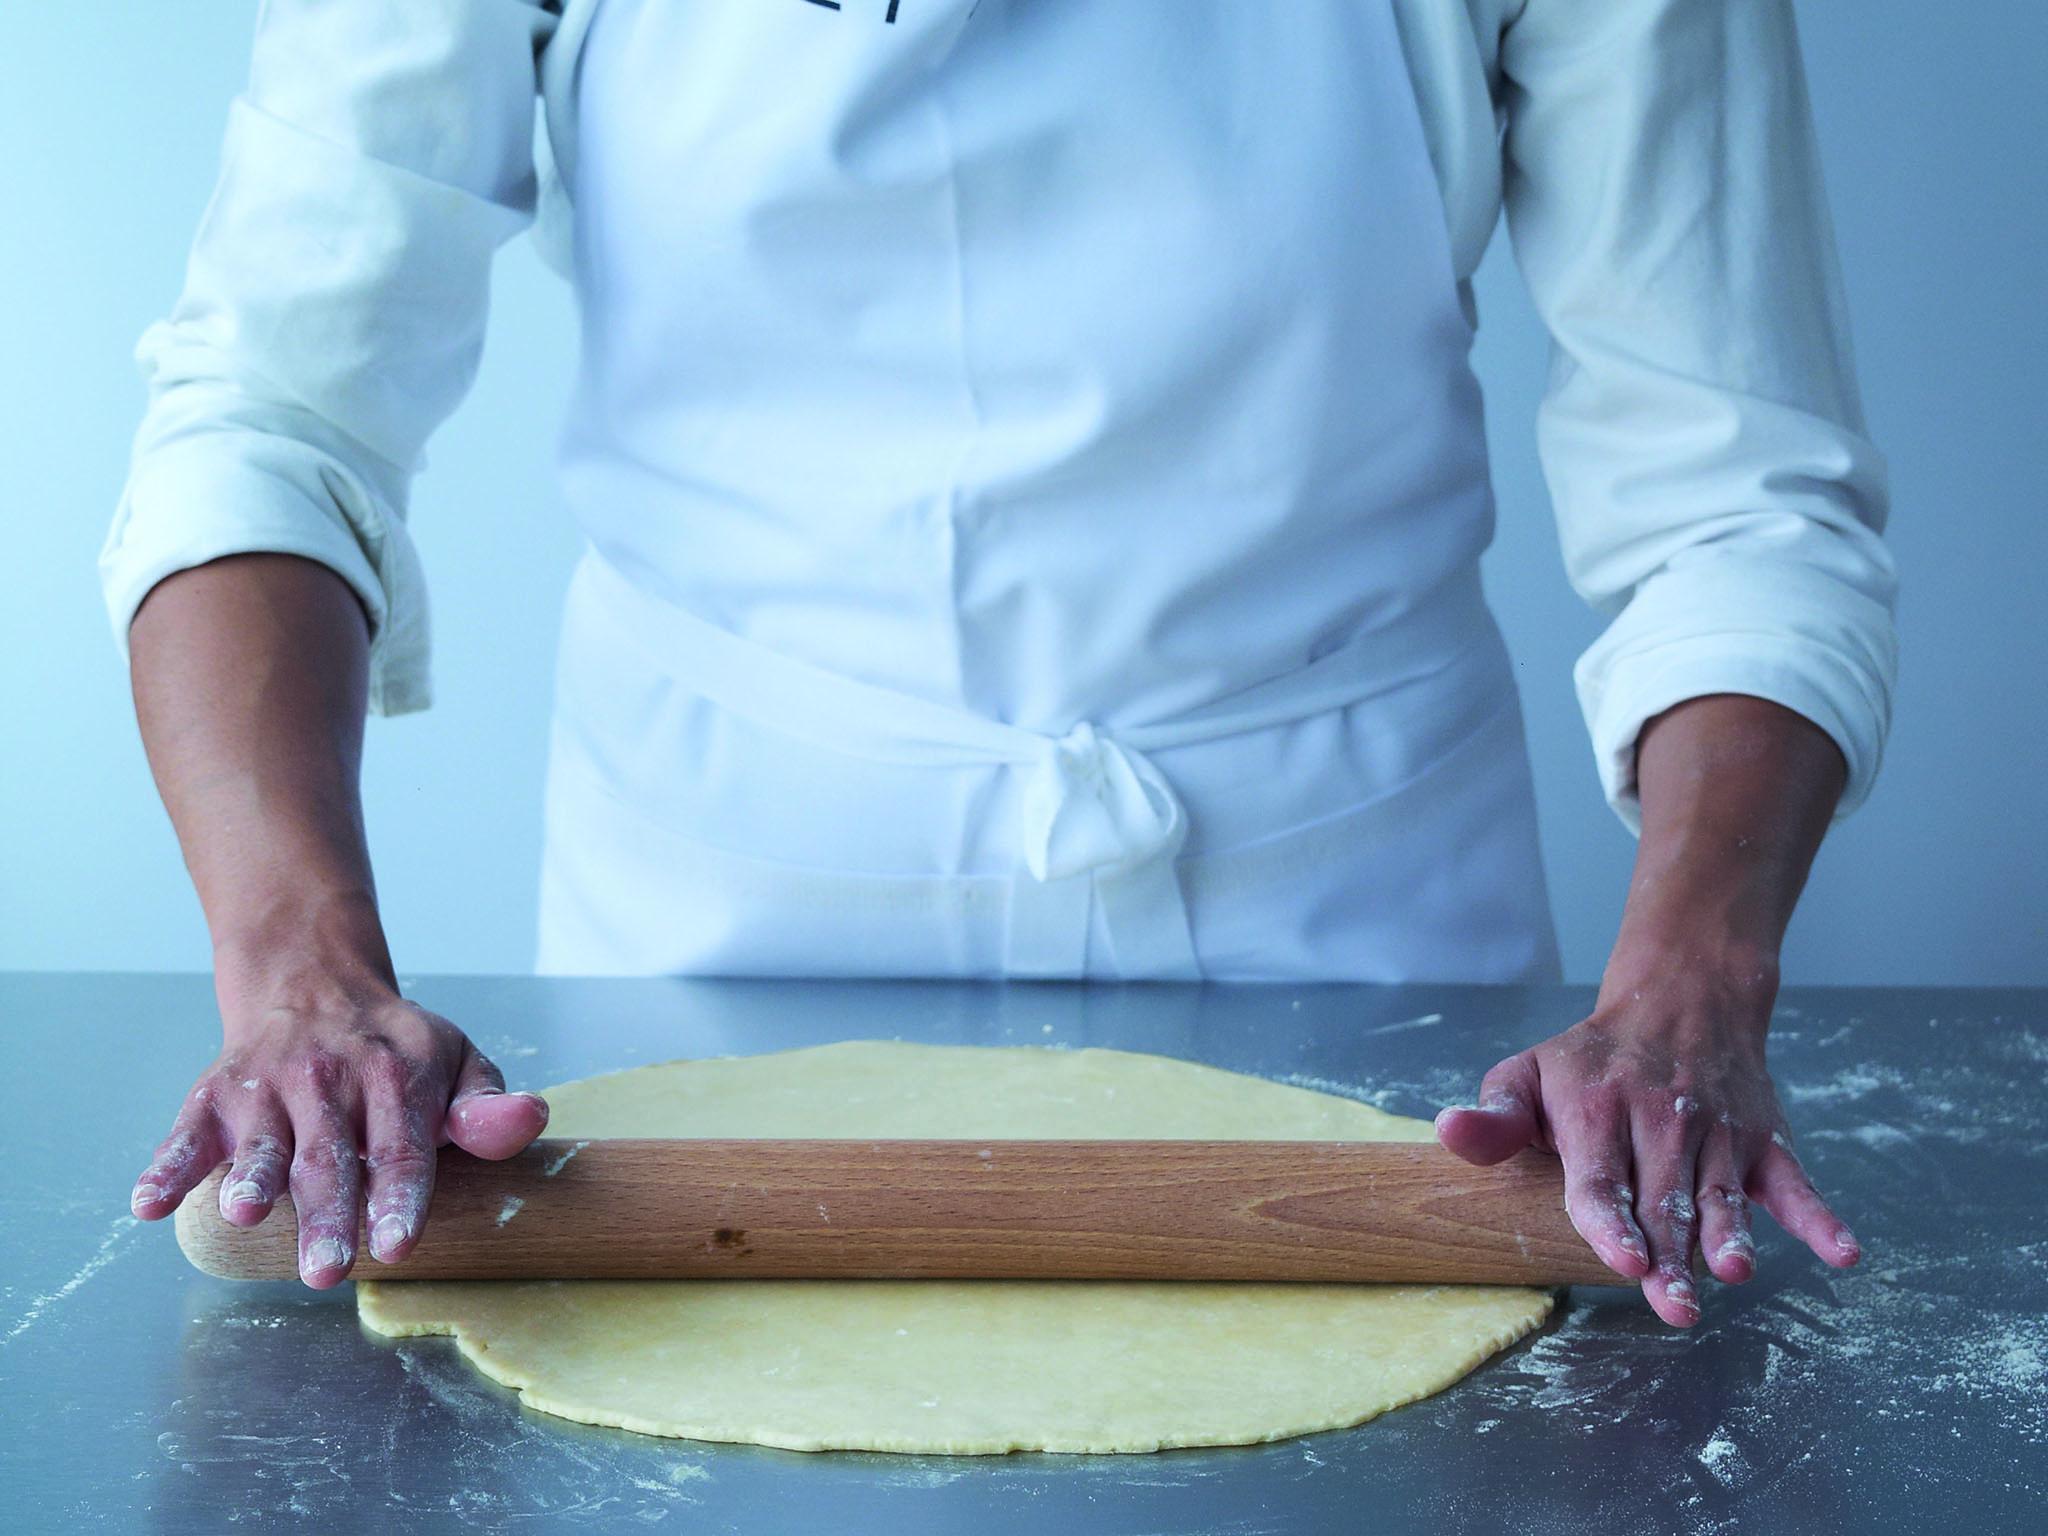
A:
x: 533, y: 1394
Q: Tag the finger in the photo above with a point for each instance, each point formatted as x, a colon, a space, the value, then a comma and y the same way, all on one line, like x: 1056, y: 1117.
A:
x: 485, y: 1120
x: 1669, y: 1217
x: 192, y: 1151
x: 1725, y: 1240
x: 1780, y: 1185
x: 1593, y: 1142
x: 1668, y: 1135
x: 399, y: 1160
x: 263, y: 1151
x: 1507, y: 1118
x: 326, y: 1185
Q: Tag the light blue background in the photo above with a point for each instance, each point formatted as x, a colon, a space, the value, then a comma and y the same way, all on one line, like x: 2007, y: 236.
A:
x: 1932, y: 124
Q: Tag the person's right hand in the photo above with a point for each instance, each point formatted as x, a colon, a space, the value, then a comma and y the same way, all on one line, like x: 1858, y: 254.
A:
x: 343, y: 1102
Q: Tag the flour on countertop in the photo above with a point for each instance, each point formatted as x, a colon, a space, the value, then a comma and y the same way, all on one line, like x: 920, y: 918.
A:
x: 1721, y: 1457
x: 1849, y: 1083
x: 109, y: 1249
x: 1421, y: 1096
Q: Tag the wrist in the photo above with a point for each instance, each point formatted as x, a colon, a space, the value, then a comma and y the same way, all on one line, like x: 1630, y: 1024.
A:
x: 1696, y: 974
x: 1707, y: 912
x: 302, y: 952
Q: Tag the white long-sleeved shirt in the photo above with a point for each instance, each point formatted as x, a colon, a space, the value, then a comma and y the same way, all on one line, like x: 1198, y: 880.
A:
x: 1700, y: 430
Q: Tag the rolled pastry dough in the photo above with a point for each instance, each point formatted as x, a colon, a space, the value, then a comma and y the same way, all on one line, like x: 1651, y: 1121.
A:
x: 967, y: 1367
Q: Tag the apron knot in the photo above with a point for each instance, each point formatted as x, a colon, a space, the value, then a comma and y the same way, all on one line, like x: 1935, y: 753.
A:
x: 1093, y: 804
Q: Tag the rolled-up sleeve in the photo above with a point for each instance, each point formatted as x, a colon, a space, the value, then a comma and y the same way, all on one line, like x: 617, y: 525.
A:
x: 1700, y: 430
x: 334, y: 303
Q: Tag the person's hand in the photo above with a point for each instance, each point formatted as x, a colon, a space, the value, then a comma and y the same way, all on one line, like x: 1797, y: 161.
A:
x: 1663, y: 1113
x: 342, y: 1101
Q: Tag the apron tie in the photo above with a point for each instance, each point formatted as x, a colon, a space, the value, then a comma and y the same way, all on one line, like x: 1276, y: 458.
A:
x: 1092, y: 804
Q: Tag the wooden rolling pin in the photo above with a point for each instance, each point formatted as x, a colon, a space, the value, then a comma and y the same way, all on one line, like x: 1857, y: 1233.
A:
x: 1124, y: 1210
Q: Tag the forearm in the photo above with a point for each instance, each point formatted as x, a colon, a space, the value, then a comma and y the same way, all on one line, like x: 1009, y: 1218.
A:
x: 1736, y: 795
x: 250, y: 679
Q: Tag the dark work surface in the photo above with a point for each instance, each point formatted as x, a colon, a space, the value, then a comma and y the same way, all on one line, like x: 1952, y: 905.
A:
x: 138, y: 1395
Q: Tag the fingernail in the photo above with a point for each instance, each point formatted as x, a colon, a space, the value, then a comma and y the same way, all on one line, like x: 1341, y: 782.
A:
x: 245, y: 1192
x: 327, y: 1253
x: 1681, y: 1293
x: 389, y: 1232
x: 145, y: 1194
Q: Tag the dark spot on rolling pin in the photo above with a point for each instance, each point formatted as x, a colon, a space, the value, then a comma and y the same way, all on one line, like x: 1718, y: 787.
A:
x: 728, y: 1237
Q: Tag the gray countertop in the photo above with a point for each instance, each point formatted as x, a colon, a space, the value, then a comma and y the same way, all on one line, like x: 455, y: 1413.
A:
x: 138, y: 1395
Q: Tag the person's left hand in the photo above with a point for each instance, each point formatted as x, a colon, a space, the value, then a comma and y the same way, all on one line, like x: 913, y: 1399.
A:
x: 1663, y: 1112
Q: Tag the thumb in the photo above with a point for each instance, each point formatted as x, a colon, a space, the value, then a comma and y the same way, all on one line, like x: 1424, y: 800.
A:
x: 1506, y: 1119
x: 485, y: 1120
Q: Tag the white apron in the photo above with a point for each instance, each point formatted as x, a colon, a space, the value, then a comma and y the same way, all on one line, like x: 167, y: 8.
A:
x: 1034, y: 483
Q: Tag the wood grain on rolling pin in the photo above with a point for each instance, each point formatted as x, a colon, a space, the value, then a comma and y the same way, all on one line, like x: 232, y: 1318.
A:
x: 1126, y: 1210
